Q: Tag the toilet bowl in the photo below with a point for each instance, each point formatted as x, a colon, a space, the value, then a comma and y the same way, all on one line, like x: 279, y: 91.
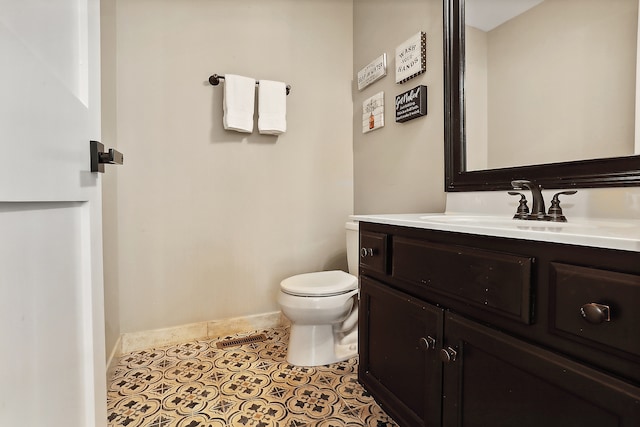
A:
x: 323, y: 310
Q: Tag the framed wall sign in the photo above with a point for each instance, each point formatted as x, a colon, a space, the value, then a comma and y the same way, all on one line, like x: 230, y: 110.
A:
x: 373, y: 113
x: 372, y: 72
x: 411, y: 57
x: 411, y: 104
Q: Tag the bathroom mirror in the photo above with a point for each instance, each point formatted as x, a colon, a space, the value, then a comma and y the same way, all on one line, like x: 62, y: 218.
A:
x: 603, y: 171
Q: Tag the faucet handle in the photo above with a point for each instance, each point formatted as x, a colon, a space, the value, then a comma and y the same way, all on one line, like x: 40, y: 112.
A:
x: 523, y: 209
x: 555, y: 211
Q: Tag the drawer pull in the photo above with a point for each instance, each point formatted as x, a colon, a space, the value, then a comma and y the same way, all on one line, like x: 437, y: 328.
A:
x: 595, y: 313
x: 448, y: 355
x: 427, y: 343
x: 365, y: 252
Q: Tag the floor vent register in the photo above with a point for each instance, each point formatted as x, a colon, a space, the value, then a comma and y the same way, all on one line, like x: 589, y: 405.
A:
x: 232, y: 342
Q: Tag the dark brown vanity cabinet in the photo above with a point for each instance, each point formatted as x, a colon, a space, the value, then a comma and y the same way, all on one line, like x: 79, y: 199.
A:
x: 464, y: 330
x: 403, y: 368
x: 499, y: 380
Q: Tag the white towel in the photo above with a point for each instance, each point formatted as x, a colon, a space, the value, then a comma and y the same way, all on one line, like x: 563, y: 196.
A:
x: 239, y: 103
x: 272, y: 107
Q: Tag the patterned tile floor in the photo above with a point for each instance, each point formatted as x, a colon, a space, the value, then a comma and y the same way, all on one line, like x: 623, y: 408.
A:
x: 195, y: 384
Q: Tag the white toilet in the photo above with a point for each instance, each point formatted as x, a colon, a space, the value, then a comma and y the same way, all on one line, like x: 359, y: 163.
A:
x: 323, y: 310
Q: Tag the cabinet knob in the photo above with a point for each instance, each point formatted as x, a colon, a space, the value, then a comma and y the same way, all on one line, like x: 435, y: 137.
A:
x: 426, y: 343
x: 448, y: 355
x: 596, y: 313
x: 365, y: 252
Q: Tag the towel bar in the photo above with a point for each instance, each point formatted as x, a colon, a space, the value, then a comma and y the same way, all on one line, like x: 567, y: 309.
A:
x: 215, y: 81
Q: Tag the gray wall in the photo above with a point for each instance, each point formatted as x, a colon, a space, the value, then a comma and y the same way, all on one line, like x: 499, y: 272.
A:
x: 202, y: 224
x: 400, y: 167
x: 110, y: 179
x: 209, y: 221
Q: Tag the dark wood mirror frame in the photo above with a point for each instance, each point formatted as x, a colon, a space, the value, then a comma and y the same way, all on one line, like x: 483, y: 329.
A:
x: 606, y: 172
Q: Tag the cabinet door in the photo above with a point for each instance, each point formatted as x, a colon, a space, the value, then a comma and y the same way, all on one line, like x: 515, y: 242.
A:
x: 399, y: 364
x: 497, y: 380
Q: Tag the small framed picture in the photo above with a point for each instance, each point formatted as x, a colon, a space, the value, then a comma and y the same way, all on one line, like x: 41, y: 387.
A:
x: 373, y: 72
x: 373, y: 113
x: 411, y: 104
x: 411, y: 57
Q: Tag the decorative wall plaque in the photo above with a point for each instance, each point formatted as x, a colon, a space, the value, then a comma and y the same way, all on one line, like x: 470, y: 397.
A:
x: 372, y: 72
x: 373, y: 113
x: 411, y: 104
x: 411, y: 57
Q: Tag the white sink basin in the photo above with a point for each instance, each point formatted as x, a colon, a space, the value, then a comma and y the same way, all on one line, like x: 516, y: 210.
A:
x: 623, y: 234
x: 467, y: 219
x: 498, y: 221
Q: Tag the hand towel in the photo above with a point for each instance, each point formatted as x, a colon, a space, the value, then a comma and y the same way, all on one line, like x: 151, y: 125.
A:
x: 272, y: 107
x: 239, y: 103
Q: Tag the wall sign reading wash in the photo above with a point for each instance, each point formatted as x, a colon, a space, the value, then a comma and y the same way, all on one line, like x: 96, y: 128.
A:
x: 411, y: 104
x: 411, y: 57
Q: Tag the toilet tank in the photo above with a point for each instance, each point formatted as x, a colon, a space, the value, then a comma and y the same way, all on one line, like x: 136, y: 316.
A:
x: 353, y: 246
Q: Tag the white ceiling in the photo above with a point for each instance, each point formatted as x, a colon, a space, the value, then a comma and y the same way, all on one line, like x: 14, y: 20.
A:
x: 488, y: 14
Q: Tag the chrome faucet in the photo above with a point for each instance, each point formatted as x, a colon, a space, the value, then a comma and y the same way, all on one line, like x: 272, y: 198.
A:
x: 538, y: 211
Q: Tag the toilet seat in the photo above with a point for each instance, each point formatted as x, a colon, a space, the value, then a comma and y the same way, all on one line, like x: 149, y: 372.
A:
x: 319, y: 284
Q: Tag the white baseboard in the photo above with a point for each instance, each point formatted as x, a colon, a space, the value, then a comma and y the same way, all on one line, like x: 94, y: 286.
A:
x: 134, y: 341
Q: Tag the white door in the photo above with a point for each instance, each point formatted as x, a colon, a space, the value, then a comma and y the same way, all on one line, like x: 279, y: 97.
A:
x: 52, y: 358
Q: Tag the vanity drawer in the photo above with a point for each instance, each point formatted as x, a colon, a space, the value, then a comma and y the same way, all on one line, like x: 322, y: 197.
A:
x: 613, y: 324
x: 373, y: 251
x: 498, y: 282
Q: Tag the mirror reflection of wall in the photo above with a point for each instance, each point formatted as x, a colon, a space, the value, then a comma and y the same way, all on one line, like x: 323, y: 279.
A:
x: 550, y: 81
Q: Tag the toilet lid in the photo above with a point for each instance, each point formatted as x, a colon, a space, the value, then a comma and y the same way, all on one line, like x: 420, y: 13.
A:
x: 322, y: 283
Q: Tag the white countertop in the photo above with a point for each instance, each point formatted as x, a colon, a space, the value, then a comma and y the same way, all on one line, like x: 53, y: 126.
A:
x: 621, y: 234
